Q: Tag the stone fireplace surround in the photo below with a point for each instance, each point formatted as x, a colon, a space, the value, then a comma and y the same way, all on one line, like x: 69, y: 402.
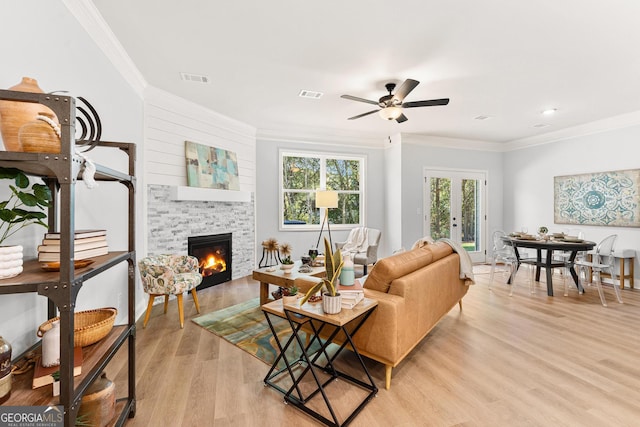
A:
x: 171, y: 222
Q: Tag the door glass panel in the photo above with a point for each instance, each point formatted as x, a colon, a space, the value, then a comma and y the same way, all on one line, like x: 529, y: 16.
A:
x: 440, y: 215
x: 469, y: 218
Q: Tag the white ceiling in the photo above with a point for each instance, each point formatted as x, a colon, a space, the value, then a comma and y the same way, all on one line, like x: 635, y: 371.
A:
x: 505, y: 59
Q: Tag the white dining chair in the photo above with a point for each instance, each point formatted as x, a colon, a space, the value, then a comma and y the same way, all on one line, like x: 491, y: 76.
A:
x: 601, y: 260
x: 504, y: 253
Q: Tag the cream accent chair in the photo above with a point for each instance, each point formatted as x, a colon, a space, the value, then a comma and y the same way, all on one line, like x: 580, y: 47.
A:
x: 169, y: 275
x: 370, y: 254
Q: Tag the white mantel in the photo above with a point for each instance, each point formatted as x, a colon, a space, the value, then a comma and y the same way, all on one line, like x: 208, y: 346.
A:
x: 208, y: 194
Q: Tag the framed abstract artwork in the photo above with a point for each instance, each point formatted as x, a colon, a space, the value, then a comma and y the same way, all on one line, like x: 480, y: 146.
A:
x: 602, y: 198
x: 211, y: 167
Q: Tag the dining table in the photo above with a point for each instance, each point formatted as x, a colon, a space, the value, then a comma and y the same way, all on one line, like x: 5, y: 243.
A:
x: 572, y: 246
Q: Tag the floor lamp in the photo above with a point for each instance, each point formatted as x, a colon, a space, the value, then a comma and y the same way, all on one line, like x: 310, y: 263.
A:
x: 328, y: 200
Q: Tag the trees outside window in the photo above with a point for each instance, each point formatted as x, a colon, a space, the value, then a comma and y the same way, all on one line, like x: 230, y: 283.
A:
x: 304, y: 173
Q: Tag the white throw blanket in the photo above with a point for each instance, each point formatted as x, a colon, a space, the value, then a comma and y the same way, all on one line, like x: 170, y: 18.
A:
x: 466, y: 265
x: 358, y: 241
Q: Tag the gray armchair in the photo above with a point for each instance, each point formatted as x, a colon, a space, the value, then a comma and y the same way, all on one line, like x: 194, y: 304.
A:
x: 367, y: 252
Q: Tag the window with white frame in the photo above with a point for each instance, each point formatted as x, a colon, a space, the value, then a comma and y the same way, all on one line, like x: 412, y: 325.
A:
x: 301, y: 174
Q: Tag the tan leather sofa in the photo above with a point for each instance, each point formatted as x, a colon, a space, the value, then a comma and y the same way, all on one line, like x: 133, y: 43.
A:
x: 414, y: 290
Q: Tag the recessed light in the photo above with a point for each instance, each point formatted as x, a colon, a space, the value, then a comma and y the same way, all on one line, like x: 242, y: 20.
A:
x: 549, y: 111
x: 310, y: 94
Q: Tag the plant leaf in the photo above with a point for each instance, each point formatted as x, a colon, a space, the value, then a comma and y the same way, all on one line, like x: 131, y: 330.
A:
x: 315, y: 288
x: 27, y: 199
x: 9, y: 173
x: 7, y: 215
x: 22, y: 181
x: 42, y: 193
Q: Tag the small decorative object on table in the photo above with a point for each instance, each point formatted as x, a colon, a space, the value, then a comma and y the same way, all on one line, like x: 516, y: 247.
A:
x: 98, y: 402
x: 331, y: 301
x: 270, y: 253
x: 290, y: 295
x: 287, y: 265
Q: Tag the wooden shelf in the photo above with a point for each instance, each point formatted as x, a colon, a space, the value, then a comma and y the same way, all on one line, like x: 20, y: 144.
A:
x: 92, y: 361
x: 33, y: 276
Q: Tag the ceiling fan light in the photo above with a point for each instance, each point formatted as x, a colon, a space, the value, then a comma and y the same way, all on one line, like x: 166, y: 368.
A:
x: 390, y: 113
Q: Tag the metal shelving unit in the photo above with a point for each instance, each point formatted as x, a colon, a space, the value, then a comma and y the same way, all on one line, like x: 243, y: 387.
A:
x: 61, y: 172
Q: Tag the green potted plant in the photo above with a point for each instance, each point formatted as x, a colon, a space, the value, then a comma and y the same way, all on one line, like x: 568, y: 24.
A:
x: 331, y: 301
x: 287, y: 264
x: 25, y: 206
x: 290, y: 295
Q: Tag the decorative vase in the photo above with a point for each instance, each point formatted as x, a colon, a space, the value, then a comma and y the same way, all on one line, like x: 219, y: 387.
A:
x: 98, y: 403
x: 5, y: 370
x: 56, y: 387
x: 41, y: 135
x: 347, y: 275
x: 14, y: 114
x: 10, y: 261
x: 331, y: 304
x: 51, y: 346
x: 286, y: 268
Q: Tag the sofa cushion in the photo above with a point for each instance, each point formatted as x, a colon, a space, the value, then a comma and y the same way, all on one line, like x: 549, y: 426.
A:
x: 390, y: 268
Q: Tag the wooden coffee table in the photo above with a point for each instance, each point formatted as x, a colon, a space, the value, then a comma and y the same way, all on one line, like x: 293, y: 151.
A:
x: 279, y: 278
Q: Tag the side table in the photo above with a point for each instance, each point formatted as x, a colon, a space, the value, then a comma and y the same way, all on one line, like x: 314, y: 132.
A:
x: 348, y: 321
x: 278, y: 277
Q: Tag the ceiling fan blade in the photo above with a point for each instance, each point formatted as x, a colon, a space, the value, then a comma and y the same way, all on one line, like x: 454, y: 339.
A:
x: 405, y: 89
x: 429, y: 103
x: 402, y: 118
x: 355, y: 98
x: 363, y: 114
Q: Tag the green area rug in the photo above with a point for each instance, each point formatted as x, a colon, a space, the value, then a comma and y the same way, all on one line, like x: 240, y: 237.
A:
x: 245, y: 326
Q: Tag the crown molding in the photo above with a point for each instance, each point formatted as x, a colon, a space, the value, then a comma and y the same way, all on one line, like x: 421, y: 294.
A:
x: 603, y: 125
x: 455, y: 143
x: 323, y: 136
x: 96, y: 27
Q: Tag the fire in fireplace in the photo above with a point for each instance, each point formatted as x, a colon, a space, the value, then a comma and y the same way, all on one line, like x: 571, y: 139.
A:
x: 214, y: 256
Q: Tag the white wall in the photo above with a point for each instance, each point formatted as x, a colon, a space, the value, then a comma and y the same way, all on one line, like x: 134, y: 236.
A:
x: 529, y: 172
x: 41, y: 39
x: 267, y: 190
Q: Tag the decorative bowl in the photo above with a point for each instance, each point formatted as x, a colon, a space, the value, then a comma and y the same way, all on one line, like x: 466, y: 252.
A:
x: 286, y: 268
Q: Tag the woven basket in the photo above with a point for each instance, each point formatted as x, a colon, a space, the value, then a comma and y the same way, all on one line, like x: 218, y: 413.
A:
x: 90, y: 326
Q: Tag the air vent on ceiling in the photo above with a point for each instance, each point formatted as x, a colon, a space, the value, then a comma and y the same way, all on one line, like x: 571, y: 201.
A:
x: 194, y: 78
x: 541, y: 125
x: 483, y: 117
x: 310, y: 94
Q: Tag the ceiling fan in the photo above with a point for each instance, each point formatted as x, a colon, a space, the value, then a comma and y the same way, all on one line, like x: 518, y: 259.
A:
x: 391, y: 105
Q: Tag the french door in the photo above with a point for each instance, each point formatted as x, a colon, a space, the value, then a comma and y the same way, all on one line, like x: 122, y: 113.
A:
x: 454, y: 207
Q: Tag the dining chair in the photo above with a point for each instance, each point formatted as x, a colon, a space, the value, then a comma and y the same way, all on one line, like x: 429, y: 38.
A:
x: 504, y: 253
x: 602, y: 260
x: 563, y: 256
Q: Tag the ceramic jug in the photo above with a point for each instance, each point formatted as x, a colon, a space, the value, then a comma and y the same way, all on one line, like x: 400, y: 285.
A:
x: 51, y: 346
x: 14, y: 114
x: 347, y: 274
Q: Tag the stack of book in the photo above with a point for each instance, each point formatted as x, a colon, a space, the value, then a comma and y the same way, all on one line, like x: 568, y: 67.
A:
x: 351, y: 295
x: 86, y: 243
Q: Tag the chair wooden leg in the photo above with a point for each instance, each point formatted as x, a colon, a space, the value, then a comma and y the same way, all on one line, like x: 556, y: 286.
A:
x: 166, y: 303
x: 149, y: 306
x: 195, y: 299
x: 460, y: 304
x: 387, y: 376
x: 180, y: 310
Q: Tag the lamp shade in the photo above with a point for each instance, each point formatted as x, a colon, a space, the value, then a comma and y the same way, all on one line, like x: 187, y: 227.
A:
x: 390, y: 113
x: 326, y: 199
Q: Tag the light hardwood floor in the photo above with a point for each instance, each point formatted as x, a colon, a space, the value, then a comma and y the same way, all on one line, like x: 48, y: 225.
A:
x: 527, y: 360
